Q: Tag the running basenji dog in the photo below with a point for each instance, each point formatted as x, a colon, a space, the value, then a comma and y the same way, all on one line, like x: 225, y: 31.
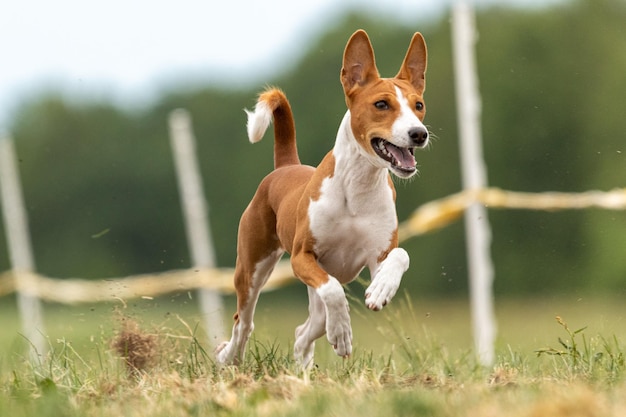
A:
x: 340, y: 217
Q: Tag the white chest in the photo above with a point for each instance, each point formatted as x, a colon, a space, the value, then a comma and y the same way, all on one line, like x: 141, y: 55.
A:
x: 352, y: 225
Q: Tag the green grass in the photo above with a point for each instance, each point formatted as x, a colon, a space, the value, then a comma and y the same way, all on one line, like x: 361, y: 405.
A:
x: 149, y: 358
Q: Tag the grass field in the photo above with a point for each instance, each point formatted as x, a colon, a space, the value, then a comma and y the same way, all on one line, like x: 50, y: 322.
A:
x: 414, y: 359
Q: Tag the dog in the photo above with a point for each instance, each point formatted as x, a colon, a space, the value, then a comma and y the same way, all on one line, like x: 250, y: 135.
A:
x: 340, y: 217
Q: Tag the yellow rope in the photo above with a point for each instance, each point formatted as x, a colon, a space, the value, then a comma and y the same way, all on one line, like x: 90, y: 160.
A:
x: 428, y: 217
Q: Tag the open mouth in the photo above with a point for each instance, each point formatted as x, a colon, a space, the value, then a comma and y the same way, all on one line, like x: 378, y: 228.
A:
x: 401, y: 159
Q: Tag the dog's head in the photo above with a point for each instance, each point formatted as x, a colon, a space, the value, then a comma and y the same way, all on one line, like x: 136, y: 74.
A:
x: 386, y: 113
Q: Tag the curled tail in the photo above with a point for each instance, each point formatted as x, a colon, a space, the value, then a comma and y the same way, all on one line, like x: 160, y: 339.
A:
x: 273, y: 103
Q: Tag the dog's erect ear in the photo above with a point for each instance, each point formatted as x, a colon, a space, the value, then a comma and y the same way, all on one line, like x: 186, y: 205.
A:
x: 414, y: 66
x: 359, y: 65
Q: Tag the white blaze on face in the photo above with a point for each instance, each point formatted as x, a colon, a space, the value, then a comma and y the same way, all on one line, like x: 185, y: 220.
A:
x: 406, y: 121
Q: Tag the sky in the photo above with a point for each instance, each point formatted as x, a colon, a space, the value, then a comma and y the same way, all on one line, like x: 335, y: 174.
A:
x: 127, y: 51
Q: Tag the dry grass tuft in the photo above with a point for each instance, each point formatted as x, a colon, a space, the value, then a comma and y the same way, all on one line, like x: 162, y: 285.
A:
x: 503, y: 376
x: 138, y: 348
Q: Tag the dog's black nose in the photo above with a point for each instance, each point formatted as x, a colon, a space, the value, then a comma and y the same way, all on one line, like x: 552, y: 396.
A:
x: 419, y: 135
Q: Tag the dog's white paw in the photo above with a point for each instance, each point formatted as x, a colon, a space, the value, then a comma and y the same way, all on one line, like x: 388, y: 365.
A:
x: 338, y: 329
x: 380, y: 292
x: 339, y: 335
x: 223, y: 354
x: 387, y: 279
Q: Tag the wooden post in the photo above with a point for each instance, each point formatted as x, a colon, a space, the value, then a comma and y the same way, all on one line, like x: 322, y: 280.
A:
x: 19, y: 246
x: 477, y: 229
x: 195, y: 211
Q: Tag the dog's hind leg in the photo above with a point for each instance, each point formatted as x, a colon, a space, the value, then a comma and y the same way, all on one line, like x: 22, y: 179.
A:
x: 310, y: 331
x: 248, y: 291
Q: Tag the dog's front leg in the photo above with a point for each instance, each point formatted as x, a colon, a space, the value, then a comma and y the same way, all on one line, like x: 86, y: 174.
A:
x: 338, y: 328
x: 386, y: 279
x: 331, y: 293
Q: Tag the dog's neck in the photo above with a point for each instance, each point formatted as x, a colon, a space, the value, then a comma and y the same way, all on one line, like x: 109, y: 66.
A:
x: 360, y: 179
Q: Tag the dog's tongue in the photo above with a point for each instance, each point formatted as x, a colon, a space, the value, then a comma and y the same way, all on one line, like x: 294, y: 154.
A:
x: 402, y: 155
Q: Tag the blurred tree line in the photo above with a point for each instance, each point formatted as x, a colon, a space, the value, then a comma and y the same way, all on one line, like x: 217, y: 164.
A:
x: 101, y: 192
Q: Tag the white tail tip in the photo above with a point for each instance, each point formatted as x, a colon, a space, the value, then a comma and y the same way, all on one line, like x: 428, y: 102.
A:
x: 258, y: 121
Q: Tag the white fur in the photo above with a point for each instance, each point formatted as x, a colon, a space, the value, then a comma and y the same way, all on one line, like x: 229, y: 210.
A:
x: 354, y: 217
x: 386, y: 279
x: 352, y: 222
x: 338, y: 329
x: 404, y: 123
x: 258, y: 121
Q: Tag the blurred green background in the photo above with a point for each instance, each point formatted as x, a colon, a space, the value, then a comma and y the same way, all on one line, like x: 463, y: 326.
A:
x: 553, y: 84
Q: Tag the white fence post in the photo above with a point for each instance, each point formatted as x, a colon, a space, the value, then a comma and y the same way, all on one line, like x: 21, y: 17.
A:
x: 195, y: 210
x: 478, y: 232
x: 19, y: 245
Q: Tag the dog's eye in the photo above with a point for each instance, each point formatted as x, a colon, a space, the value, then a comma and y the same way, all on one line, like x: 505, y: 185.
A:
x: 381, y: 105
x: 419, y: 106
